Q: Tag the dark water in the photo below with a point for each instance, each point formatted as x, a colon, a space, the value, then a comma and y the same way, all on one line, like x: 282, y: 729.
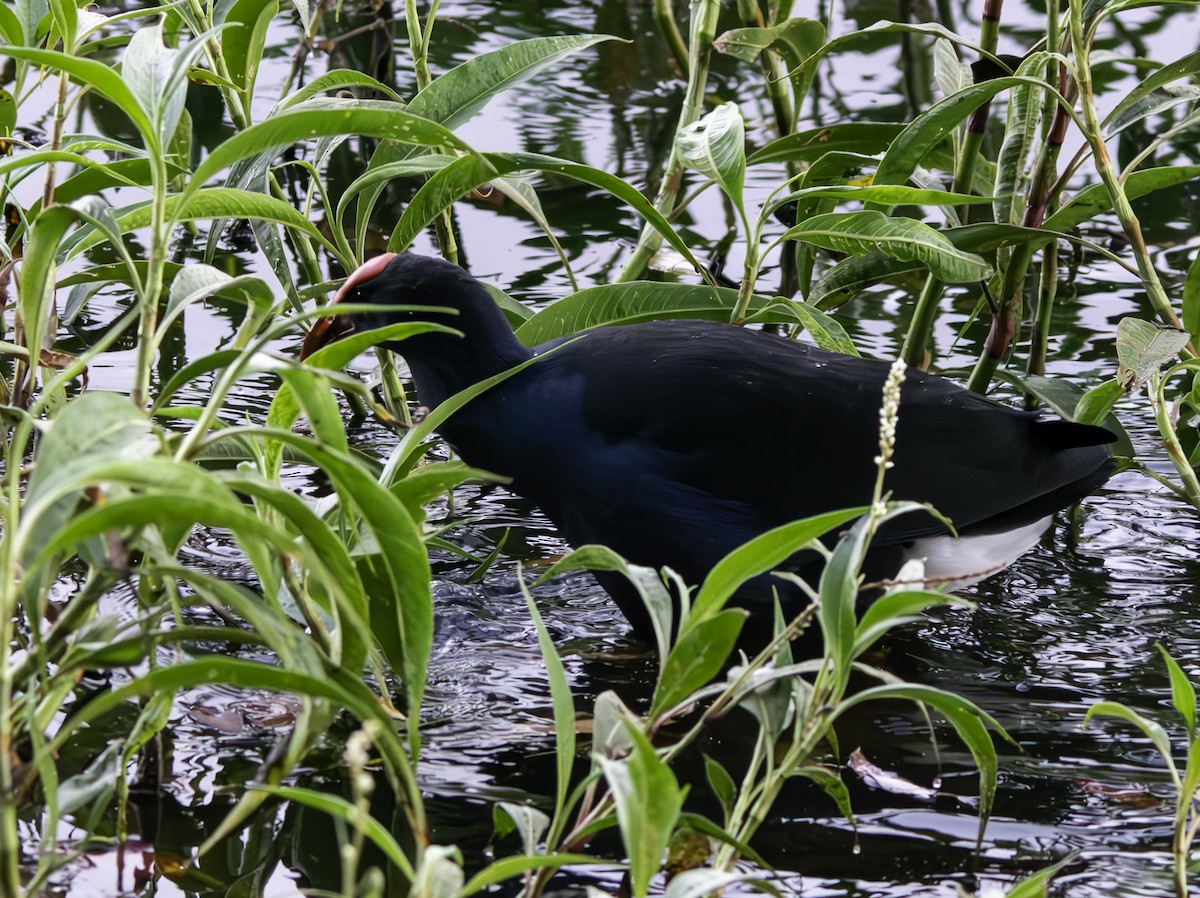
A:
x: 1073, y: 622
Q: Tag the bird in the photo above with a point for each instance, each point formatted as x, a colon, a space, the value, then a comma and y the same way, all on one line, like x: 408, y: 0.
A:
x: 673, y: 442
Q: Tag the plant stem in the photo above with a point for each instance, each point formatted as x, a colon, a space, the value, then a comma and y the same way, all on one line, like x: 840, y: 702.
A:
x: 920, y: 329
x: 1047, y: 288
x: 916, y: 341
x: 1094, y: 135
x: 160, y: 229
x: 10, y: 845
x: 665, y: 17
x: 1041, y: 191
x: 1156, y: 386
x: 703, y: 31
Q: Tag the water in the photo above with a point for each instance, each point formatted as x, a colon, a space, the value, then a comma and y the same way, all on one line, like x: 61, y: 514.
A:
x: 1073, y: 622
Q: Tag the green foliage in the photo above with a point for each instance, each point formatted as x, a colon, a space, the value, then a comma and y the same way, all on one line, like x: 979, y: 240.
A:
x: 109, y: 488
x: 1187, y: 781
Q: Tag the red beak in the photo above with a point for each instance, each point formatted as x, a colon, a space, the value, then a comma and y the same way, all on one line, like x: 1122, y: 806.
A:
x: 333, y: 327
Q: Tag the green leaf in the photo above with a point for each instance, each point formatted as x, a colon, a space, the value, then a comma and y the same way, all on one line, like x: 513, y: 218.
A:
x: 761, y: 554
x: 91, y: 432
x: 430, y: 481
x: 698, y: 655
x: 1035, y: 885
x: 402, y: 604
x: 795, y: 40
x: 1152, y: 730
x: 715, y: 146
x: 1022, y: 135
x: 8, y: 113
x: 949, y: 73
x: 851, y: 276
x: 347, y: 812
x: 933, y: 125
x: 564, y: 720
x: 511, y: 867
x: 157, y: 77
x: 98, y: 76
x: 648, y: 802
x: 895, y: 608
x: 1143, y: 348
x: 446, y: 185
x: 833, y: 786
x: 635, y: 302
x: 970, y: 722
x: 1095, y: 200
x: 530, y: 823
x: 212, y: 203
x: 338, y: 79
x: 193, y: 283
x: 38, y: 271
x: 886, y: 195
x: 322, y: 117
x: 721, y: 784
x: 1191, y: 300
x: 1172, y: 71
x: 11, y: 29
x: 867, y: 138
x: 645, y: 580
x: 242, y: 45
x: 826, y: 332
x: 458, y: 178
x: 1097, y: 403
x: 905, y: 239
x: 455, y: 97
x: 1183, y: 693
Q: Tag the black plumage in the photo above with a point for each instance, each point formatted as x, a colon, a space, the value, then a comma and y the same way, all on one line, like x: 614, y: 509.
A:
x: 673, y: 442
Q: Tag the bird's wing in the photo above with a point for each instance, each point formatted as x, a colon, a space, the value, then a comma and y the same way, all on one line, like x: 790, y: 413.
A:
x: 790, y: 430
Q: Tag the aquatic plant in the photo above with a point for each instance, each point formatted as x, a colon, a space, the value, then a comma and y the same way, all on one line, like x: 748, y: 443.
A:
x: 101, y: 492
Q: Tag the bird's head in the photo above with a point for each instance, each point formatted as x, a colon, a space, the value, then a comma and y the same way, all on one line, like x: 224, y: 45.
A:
x: 393, y: 284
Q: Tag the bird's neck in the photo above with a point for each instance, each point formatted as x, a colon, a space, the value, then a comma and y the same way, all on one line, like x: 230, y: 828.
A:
x: 444, y: 364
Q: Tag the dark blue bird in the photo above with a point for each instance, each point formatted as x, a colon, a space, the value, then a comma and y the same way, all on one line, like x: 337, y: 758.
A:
x: 673, y: 442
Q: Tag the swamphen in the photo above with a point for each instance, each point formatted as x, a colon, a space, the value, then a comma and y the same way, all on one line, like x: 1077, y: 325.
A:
x: 673, y: 442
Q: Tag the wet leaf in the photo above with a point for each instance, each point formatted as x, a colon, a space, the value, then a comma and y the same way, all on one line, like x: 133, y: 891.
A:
x: 698, y: 655
x: 721, y: 784
x: 242, y: 44
x: 1143, y: 348
x: 534, y: 823
x: 1095, y: 200
x: 933, y: 125
x: 530, y: 823
x: 866, y: 138
x: 439, y: 874
x: 1172, y: 71
x: 715, y: 146
x: 761, y: 554
x: 455, y: 97
x: 905, y: 239
x: 648, y: 801
x: 1183, y: 693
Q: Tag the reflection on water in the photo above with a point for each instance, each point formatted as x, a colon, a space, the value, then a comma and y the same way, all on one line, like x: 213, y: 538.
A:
x: 1072, y: 622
